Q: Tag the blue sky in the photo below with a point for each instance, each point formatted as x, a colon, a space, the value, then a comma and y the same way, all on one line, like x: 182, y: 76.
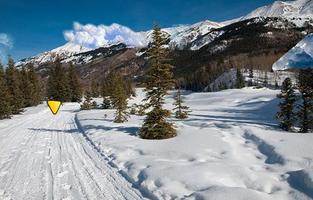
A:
x: 32, y: 26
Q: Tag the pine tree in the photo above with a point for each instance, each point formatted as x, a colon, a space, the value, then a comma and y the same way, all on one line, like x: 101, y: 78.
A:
x: 5, y: 107
x: 58, y: 83
x: 26, y: 88
x: 87, y: 104
x: 305, y: 85
x: 119, y: 100
x: 265, y: 80
x: 158, y: 81
x: 14, y: 87
x: 250, y: 82
x: 240, y: 82
x: 181, y: 110
x: 74, y: 84
x: 35, y: 85
x: 286, y: 115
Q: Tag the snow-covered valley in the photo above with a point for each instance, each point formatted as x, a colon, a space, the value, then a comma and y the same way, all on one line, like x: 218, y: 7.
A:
x: 229, y: 148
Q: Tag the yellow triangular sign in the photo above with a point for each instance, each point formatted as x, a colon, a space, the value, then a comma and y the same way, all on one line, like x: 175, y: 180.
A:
x: 54, y: 106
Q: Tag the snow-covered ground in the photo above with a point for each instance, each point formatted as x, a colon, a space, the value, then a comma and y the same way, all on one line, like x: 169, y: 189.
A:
x: 47, y: 157
x: 229, y: 148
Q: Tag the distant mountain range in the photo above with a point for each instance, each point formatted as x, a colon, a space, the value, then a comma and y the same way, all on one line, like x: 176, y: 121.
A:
x: 258, y: 39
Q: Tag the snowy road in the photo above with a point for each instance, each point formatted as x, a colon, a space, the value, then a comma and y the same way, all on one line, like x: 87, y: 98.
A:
x: 46, y: 157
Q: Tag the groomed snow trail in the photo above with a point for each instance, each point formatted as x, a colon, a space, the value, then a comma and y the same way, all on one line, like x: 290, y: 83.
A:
x: 46, y: 157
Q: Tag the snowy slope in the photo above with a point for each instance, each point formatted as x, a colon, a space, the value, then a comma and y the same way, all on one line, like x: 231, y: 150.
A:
x: 300, y: 56
x: 180, y: 37
x: 229, y: 148
x: 67, y: 50
x: 297, y: 11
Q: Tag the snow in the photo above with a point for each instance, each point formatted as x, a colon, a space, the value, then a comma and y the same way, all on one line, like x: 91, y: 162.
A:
x: 229, y: 148
x: 300, y: 56
x: 43, y: 156
x: 286, y: 9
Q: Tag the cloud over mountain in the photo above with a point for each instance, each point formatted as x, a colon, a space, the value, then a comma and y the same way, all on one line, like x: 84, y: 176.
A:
x: 92, y: 36
x: 6, y: 43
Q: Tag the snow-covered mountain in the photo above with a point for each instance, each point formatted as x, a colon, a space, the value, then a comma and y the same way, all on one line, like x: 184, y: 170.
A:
x: 285, y: 9
x: 180, y: 37
x: 192, y: 37
x: 65, y: 51
x: 300, y: 56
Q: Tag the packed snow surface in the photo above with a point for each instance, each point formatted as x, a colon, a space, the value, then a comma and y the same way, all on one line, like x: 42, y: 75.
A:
x: 299, y: 57
x: 229, y: 148
x: 47, y: 157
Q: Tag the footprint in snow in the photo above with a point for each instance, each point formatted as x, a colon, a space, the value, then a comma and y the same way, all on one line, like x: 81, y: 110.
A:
x: 66, y: 187
x: 61, y: 174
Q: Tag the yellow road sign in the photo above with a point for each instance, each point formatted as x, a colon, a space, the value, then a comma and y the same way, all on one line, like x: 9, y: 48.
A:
x: 54, y: 106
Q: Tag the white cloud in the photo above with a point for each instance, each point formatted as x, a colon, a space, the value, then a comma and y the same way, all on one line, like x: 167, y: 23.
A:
x: 6, y: 43
x: 92, y: 36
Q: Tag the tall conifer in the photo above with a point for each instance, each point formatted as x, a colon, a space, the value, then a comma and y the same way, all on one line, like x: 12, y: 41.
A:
x: 5, y: 107
x: 286, y: 115
x: 306, y: 107
x: 74, y: 84
x: 14, y: 87
x: 158, y: 81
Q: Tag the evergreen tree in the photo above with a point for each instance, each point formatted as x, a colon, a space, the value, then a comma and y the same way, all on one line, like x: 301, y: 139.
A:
x: 158, y: 81
x: 119, y: 100
x: 5, y: 107
x: 240, y: 82
x: 87, y: 104
x: 35, y: 85
x: 286, y: 115
x: 26, y: 88
x: 305, y: 113
x: 74, y: 84
x: 265, y: 80
x: 58, y: 84
x: 250, y: 82
x: 14, y: 87
x: 181, y: 110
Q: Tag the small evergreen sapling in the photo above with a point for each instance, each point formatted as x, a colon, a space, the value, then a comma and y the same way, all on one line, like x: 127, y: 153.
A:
x: 240, y: 82
x: 286, y: 115
x: 181, y: 110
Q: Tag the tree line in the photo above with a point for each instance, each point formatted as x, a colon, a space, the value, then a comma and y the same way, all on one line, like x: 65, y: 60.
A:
x: 19, y: 88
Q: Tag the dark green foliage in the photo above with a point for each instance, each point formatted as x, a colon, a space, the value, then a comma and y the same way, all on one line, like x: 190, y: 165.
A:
x: 250, y: 81
x: 87, y: 104
x: 58, y: 84
x: 159, y: 79
x: 34, y: 80
x: 5, y: 107
x: 265, y: 80
x: 14, y: 87
x: 74, y: 85
x: 305, y: 113
x: 181, y: 110
x: 240, y: 82
x: 286, y: 115
x: 106, y: 104
x: 119, y: 99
